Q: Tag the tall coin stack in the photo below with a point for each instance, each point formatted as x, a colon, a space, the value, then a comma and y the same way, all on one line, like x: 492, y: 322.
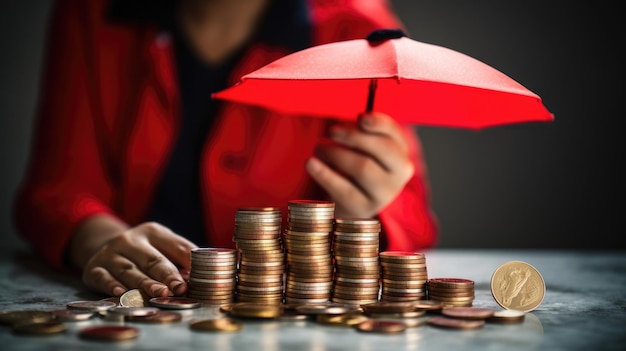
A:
x: 453, y: 292
x: 257, y: 236
x: 404, y: 276
x: 357, y: 269
x: 212, y: 278
x: 309, y: 276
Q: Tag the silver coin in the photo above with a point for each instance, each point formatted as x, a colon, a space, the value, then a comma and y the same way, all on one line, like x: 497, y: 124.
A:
x: 95, y: 306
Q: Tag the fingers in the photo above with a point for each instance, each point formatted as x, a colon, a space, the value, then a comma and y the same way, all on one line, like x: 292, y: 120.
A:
x: 142, y: 257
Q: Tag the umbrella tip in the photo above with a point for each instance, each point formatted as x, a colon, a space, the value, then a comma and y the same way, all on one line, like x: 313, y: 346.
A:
x: 385, y: 34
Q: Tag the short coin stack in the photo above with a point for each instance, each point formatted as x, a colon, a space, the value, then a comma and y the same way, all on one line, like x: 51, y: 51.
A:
x: 404, y: 276
x: 213, y: 275
x: 453, y: 292
x: 309, y: 275
x: 261, y: 255
x: 357, y: 270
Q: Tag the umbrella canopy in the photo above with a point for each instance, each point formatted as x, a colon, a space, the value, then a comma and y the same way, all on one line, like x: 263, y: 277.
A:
x: 414, y: 82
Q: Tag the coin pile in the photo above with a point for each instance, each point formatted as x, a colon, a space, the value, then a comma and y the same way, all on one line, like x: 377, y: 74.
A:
x: 355, y: 252
x: 404, y: 276
x: 261, y: 269
x: 457, y: 292
x: 212, y: 278
x: 309, y: 273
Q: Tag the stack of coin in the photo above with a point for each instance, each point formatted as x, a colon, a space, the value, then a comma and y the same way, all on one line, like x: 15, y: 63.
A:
x: 309, y: 275
x: 357, y: 269
x: 261, y: 257
x: 454, y: 292
x: 212, y: 278
x: 404, y: 276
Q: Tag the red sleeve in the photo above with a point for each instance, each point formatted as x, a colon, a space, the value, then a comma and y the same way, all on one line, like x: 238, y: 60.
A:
x: 64, y: 181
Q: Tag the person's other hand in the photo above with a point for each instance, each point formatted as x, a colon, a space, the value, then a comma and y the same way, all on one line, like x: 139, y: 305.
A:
x: 364, y: 167
x: 115, y: 258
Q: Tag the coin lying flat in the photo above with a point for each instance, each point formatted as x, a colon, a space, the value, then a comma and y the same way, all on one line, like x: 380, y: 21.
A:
x: 507, y: 316
x: 24, y: 317
x: 42, y: 328
x: 456, y: 323
x: 468, y: 312
x: 255, y: 310
x: 175, y: 303
x: 216, y: 325
x: 516, y: 285
x: 109, y: 333
x: 133, y: 311
x: 69, y: 315
x: 329, y: 308
x: 94, y: 306
x: 158, y: 318
x: 388, y: 307
x: 381, y: 326
x: 344, y: 320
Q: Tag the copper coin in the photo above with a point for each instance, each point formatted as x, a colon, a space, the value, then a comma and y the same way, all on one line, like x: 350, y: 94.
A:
x: 328, y: 308
x: 468, y: 312
x: 429, y: 305
x: 175, y: 303
x: 218, y: 325
x: 158, y: 318
x: 381, y: 326
x: 344, y: 320
x: 109, y: 333
x: 455, y: 323
x: 256, y: 310
x: 41, y: 328
x: 507, y: 316
x: 133, y: 311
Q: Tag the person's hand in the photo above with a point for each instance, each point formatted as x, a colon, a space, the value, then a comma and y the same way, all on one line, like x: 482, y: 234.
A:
x: 364, y: 167
x: 115, y: 258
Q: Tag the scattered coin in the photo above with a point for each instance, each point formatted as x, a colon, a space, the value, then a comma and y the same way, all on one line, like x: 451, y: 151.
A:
x: 388, y: 307
x: 24, y: 317
x: 69, y: 315
x: 160, y: 317
x: 217, y: 325
x: 175, y: 303
x: 381, y: 326
x: 255, y: 310
x: 507, y: 316
x: 428, y: 305
x: 401, y: 315
x: 516, y: 285
x: 455, y: 323
x: 114, y: 299
x: 94, y: 306
x: 133, y: 311
x: 40, y: 328
x: 109, y: 333
x: 344, y: 320
x: 467, y: 312
x: 134, y: 298
x: 328, y: 308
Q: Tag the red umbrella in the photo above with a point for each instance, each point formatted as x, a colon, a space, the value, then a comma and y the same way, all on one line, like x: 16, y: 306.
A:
x: 415, y: 82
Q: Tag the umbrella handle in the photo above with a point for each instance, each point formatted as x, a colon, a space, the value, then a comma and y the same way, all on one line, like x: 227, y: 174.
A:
x: 371, y: 95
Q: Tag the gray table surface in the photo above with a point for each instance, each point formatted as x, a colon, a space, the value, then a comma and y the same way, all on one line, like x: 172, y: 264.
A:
x: 584, y: 309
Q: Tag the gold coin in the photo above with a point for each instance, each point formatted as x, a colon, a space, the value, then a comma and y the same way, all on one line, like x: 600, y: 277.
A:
x: 467, y: 312
x: 381, y: 326
x: 134, y: 298
x: 216, y: 325
x: 516, y: 285
x: 507, y: 317
x: 24, y: 317
x: 40, y: 328
x: 388, y: 307
x: 344, y: 320
x: 256, y: 310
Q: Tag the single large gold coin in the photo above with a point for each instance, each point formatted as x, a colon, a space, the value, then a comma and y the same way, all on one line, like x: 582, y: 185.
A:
x: 516, y: 285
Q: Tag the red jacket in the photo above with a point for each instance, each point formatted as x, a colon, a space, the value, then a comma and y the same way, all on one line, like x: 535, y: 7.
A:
x: 109, y: 108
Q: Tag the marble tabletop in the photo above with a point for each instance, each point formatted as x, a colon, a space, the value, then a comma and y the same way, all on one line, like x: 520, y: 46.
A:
x: 584, y: 309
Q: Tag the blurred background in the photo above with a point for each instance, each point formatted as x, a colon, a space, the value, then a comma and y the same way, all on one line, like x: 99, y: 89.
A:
x: 551, y: 185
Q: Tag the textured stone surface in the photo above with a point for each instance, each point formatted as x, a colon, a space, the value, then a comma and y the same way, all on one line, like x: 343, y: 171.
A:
x: 584, y: 309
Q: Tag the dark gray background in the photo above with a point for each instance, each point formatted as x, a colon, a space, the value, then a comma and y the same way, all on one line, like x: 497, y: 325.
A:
x: 549, y: 185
